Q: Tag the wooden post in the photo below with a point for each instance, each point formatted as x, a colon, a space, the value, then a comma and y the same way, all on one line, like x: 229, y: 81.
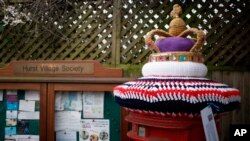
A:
x: 116, y: 32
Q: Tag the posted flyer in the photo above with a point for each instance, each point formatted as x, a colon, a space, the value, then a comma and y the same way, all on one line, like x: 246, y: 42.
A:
x: 94, y: 130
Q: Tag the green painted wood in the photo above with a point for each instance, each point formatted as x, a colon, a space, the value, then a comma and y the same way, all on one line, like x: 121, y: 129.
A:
x: 112, y: 111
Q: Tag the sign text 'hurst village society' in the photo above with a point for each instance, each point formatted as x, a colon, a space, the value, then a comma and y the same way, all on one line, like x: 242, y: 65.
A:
x: 57, y: 68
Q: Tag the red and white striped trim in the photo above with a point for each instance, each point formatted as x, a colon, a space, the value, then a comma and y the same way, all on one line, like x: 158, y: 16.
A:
x: 190, y: 91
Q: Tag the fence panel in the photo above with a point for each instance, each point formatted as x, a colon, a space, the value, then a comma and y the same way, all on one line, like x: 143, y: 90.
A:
x: 241, y: 81
x: 112, y: 32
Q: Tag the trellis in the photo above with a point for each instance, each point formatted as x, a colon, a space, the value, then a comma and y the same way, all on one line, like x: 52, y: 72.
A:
x: 112, y: 32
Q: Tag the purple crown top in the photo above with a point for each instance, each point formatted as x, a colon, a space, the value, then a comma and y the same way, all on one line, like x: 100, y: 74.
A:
x: 171, y: 44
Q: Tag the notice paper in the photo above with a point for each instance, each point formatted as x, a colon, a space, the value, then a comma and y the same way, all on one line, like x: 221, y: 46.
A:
x: 11, y: 122
x: 67, y: 120
x: 1, y: 95
x: 27, y: 105
x: 21, y: 138
x: 11, y: 105
x: 11, y: 98
x: 32, y: 95
x: 70, y: 101
x: 28, y: 138
x: 10, y: 138
x: 28, y: 115
x: 92, y: 129
x: 93, y: 104
x: 66, y: 136
x: 59, y: 106
x: 11, y: 92
x: 10, y: 130
x: 11, y: 114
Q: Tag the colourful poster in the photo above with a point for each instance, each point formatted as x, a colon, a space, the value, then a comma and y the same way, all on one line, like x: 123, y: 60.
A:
x: 94, y: 130
x: 11, y: 122
x: 11, y: 105
x: 11, y: 98
x: 10, y: 130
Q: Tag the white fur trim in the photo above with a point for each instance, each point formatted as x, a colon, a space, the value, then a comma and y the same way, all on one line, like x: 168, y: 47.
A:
x: 172, y: 68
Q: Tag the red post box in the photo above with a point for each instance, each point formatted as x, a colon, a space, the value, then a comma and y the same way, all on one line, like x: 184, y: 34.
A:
x: 161, y: 128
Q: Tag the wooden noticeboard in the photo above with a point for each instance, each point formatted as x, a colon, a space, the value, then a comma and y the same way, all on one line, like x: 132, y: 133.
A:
x: 60, y: 75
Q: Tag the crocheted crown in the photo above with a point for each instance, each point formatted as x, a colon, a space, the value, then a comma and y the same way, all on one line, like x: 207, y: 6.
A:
x: 173, y: 81
x: 175, y: 42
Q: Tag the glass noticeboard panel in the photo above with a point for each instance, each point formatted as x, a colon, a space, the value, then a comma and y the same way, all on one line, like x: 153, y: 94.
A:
x: 86, y: 116
x: 19, y: 115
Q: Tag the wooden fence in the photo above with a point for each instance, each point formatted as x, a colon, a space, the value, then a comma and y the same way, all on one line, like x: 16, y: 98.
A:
x: 241, y: 81
x: 112, y: 32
